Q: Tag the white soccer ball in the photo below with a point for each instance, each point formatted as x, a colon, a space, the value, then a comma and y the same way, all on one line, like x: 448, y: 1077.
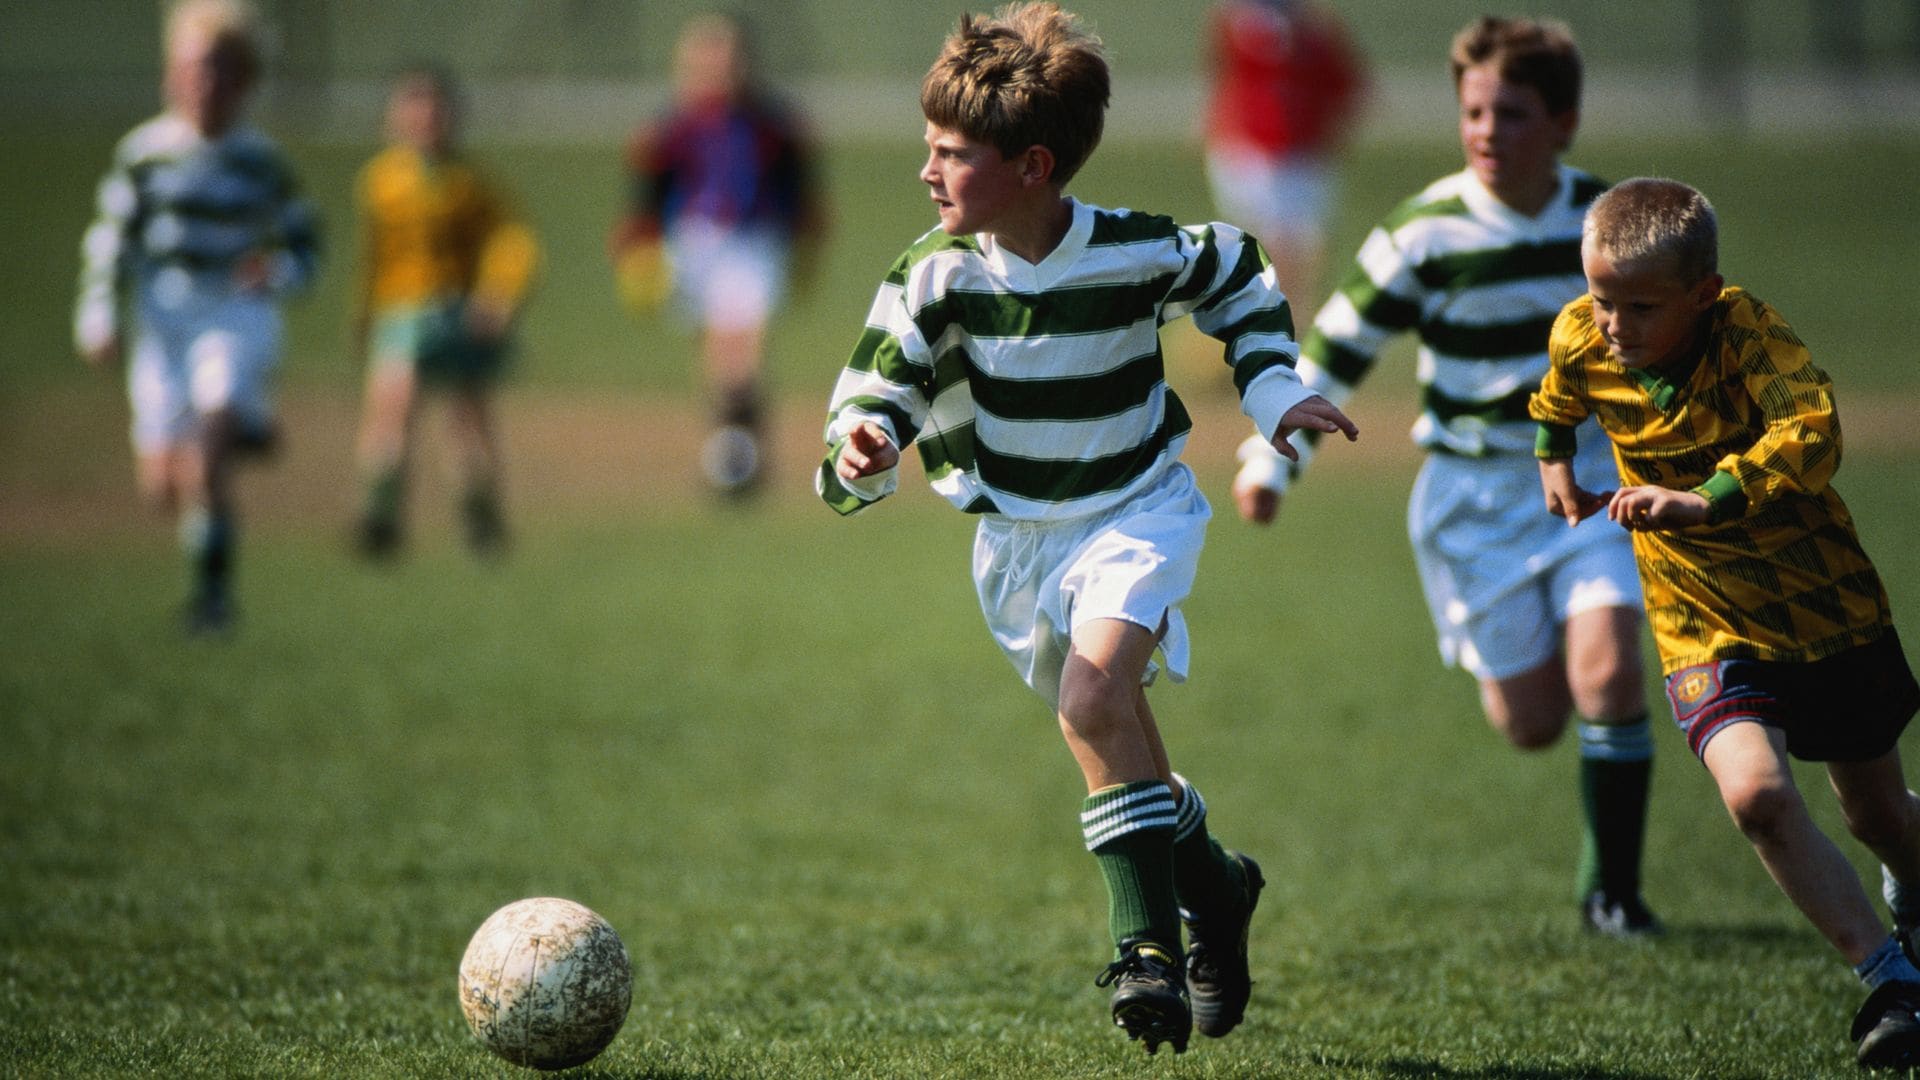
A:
x: 546, y: 983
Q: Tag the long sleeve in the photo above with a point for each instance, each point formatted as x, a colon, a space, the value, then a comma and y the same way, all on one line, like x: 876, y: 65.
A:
x: 884, y: 382
x: 1799, y: 450
x: 1234, y: 298
x: 105, y: 252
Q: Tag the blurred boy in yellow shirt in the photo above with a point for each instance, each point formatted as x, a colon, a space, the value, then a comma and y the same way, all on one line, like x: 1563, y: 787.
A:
x: 445, y: 269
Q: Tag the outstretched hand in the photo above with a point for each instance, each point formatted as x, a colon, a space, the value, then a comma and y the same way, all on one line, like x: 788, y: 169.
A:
x: 866, y: 451
x: 1648, y: 507
x: 1313, y: 414
x: 1565, y: 497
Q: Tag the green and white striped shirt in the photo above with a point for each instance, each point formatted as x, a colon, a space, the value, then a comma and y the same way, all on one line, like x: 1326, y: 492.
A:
x: 176, y: 214
x: 1038, y: 391
x: 1481, y: 283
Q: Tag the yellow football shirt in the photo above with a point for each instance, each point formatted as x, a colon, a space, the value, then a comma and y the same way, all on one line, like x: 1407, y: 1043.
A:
x: 1778, y: 572
x: 436, y: 229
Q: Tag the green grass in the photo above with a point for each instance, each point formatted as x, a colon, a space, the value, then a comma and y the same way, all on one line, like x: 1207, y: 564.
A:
x: 779, y: 753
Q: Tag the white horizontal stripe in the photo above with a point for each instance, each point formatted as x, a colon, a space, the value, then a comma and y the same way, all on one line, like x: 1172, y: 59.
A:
x: 1512, y: 301
x: 1073, y: 440
x: 1097, y: 839
x: 1479, y: 380
x: 1053, y: 356
x: 1158, y: 792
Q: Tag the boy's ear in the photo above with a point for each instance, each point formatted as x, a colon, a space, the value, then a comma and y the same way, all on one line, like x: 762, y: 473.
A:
x: 1036, y: 165
x: 1708, y: 291
x: 1566, y: 124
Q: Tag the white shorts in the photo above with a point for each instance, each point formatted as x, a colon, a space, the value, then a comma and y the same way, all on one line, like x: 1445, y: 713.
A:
x: 203, y: 356
x: 1501, y: 574
x: 1268, y: 196
x: 1038, y: 581
x: 727, y: 277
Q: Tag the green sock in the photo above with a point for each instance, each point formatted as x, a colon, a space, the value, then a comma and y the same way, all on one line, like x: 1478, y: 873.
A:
x: 1129, y: 829
x: 1205, y: 876
x: 386, y: 487
x: 207, y: 537
x: 1616, y: 765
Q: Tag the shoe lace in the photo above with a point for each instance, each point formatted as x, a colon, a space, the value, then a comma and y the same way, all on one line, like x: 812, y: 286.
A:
x: 1132, y: 963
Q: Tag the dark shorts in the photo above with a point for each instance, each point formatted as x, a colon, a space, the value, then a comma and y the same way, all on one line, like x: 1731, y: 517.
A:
x: 433, y: 339
x: 1851, y: 706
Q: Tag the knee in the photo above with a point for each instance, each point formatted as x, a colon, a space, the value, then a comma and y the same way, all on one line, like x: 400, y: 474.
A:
x: 1882, y: 823
x: 1528, y: 722
x: 1762, y: 809
x: 1092, y: 701
x: 1607, y: 684
x: 1530, y: 730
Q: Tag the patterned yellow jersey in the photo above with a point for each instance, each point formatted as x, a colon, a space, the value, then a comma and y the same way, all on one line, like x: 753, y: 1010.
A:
x: 1777, y: 573
x: 436, y: 229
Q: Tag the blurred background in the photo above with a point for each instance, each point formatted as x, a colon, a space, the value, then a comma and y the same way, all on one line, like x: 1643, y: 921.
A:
x: 1800, y: 118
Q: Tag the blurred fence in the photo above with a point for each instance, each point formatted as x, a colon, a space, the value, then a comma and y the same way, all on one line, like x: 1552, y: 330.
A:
x: 573, y: 69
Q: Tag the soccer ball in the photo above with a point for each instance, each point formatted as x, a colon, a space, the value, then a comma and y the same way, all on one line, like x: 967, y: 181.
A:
x: 545, y: 982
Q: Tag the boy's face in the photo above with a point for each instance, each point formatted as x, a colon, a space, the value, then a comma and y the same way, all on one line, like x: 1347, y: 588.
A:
x: 1512, y: 143
x: 1647, y: 315
x: 420, y: 116
x: 973, y: 184
x: 207, y: 80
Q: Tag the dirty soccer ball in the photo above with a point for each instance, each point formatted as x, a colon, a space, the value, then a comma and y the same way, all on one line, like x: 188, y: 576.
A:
x: 546, y: 983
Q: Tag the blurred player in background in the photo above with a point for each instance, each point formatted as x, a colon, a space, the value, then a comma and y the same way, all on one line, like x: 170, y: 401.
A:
x: 445, y: 267
x: 199, y: 234
x: 1547, y: 619
x: 723, y: 206
x: 1286, y: 84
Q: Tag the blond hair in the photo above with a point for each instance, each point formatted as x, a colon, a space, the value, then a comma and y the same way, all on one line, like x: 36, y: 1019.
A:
x: 231, y: 24
x: 1539, y: 53
x: 1650, y: 218
x: 1031, y: 75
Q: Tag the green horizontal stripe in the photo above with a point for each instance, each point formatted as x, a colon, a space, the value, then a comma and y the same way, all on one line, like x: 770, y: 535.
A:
x: 1501, y: 341
x: 1378, y: 307
x: 1088, y: 310
x: 1490, y: 266
x: 1051, y: 480
x: 1413, y: 210
x: 1347, y: 366
x: 1504, y: 409
x: 1087, y: 397
x: 879, y: 351
x: 1114, y: 229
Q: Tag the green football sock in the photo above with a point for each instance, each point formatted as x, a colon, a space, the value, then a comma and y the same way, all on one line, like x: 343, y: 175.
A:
x: 1206, y: 877
x: 1616, y: 765
x: 1129, y: 830
x: 207, y: 537
x: 386, y: 487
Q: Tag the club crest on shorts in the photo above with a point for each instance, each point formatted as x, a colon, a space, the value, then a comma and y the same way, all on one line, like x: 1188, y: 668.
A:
x: 1694, y: 687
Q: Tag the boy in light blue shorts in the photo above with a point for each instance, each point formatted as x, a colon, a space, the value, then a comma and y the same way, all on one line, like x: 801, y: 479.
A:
x: 199, y: 231
x: 1017, y: 346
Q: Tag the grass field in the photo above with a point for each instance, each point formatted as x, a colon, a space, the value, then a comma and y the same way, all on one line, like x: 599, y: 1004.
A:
x: 778, y: 752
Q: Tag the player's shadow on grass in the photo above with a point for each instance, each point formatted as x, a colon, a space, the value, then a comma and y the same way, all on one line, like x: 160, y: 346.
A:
x: 1420, y: 1068
x: 1714, y: 938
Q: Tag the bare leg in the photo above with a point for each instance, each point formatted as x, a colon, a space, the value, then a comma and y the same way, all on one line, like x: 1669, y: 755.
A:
x: 1749, y: 764
x: 1101, y: 705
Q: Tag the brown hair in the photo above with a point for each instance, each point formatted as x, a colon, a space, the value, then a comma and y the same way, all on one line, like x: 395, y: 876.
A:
x: 1029, y: 76
x: 1649, y: 218
x: 1531, y: 52
x: 229, y: 24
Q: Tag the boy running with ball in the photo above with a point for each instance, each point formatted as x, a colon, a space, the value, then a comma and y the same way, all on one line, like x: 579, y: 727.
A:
x: 1017, y: 345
